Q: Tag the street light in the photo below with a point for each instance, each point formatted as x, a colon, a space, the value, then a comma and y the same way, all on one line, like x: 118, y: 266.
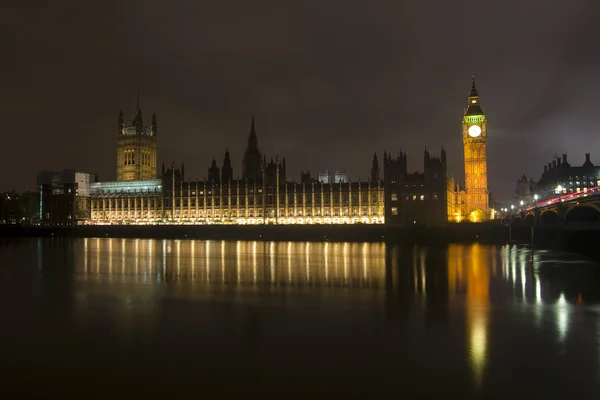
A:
x: 512, y: 206
x: 521, y: 202
x: 535, y: 197
x: 559, y: 189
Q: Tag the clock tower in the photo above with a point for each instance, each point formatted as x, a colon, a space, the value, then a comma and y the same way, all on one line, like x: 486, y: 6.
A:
x: 474, y: 134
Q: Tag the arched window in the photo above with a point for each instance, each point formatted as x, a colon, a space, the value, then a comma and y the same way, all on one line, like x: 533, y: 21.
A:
x: 132, y: 157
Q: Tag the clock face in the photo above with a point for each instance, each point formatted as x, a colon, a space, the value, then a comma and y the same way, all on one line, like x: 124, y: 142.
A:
x: 474, y: 130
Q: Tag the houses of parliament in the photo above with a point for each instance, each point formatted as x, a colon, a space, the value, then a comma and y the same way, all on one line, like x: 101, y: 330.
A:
x: 264, y: 195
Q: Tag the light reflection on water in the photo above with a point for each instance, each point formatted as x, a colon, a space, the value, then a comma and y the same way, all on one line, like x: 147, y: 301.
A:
x: 479, y: 305
x: 289, y: 263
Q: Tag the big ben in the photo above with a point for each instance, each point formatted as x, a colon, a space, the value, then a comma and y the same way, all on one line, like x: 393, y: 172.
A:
x: 475, y: 158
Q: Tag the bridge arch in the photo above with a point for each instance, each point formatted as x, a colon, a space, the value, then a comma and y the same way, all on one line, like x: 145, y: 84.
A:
x: 530, y: 219
x: 548, y: 217
x: 583, y: 213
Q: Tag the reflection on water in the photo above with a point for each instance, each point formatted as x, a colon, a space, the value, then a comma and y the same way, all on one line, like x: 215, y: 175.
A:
x: 350, y: 265
x: 468, y: 271
x: 464, y: 313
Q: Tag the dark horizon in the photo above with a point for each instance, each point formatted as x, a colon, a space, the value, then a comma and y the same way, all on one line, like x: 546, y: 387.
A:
x: 328, y: 85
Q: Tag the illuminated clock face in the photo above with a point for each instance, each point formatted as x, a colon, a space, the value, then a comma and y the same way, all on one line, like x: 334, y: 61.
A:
x: 474, y: 130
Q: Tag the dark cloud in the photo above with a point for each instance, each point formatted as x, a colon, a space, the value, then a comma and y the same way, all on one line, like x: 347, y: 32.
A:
x: 329, y: 82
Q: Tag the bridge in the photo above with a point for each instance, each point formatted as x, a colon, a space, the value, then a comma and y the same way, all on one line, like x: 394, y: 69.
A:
x: 572, y: 211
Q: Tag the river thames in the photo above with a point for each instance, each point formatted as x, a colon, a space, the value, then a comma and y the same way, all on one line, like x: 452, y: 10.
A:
x: 167, y: 317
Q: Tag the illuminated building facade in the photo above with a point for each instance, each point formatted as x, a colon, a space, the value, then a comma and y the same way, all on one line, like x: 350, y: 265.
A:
x: 262, y: 196
x: 126, y: 202
x: 475, y: 158
x: 136, y: 148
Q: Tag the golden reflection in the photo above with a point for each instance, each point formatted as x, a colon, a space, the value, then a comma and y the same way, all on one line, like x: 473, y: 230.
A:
x: 354, y: 265
x: 110, y: 257
x: 193, y: 254
x: 289, y: 261
x: 85, y: 253
x: 178, y: 249
x: 468, y: 270
x: 364, y: 265
x: 238, y: 264
x: 254, y: 266
x: 97, y: 250
x: 307, y: 261
x: 346, y: 263
x: 272, y: 261
x: 123, y: 256
x: 137, y: 256
x: 326, y: 257
x: 164, y: 258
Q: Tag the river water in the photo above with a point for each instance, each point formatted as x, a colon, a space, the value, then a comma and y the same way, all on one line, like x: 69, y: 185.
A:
x: 283, y: 319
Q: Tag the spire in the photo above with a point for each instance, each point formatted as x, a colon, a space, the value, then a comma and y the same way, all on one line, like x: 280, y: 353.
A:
x: 226, y: 169
x: 253, y: 139
x: 474, y: 106
x: 473, y: 88
x: 375, y: 169
x: 137, y: 119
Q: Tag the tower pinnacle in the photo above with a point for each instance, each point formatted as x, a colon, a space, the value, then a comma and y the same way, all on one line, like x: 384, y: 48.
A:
x: 474, y: 106
x: 473, y: 92
x: 252, y: 139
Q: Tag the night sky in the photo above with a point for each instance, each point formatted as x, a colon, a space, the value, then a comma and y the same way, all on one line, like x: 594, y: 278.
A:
x: 330, y: 82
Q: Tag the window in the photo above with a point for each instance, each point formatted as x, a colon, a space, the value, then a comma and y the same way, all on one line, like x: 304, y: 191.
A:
x: 394, y: 210
x: 414, y: 197
x: 422, y: 197
x: 435, y: 196
x: 394, y: 196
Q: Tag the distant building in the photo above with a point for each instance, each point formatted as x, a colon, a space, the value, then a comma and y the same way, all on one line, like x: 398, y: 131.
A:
x: 525, y: 189
x: 417, y: 198
x: 559, y: 177
x: 19, y: 208
x: 340, y: 177
x: 64, y: 196
x: 323, y: 177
